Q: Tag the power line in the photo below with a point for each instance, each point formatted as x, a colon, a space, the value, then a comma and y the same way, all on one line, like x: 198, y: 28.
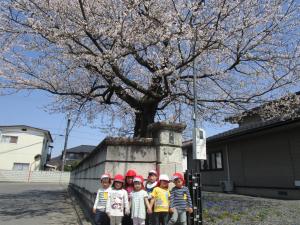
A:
x: 78, y: 130
x: 88, y: 138
x: 11, y: 150
x: 75, y: 136
x: 59, y: 128
x: 54, y: 134
x: 74, y: 130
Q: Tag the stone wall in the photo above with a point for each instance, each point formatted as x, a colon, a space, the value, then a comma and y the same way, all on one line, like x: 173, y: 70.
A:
x: 113, y: 155
x: 161, y: 152
x: 168, y: 141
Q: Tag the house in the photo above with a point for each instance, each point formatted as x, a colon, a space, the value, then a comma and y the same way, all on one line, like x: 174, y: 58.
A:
x: 259, y: 158
x: 73, y: 155
x: 24, y: 147
x: 78, y: 152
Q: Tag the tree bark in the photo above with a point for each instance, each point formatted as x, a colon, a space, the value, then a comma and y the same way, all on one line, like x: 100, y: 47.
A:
x: 147, y: 108
x: 143, y: 118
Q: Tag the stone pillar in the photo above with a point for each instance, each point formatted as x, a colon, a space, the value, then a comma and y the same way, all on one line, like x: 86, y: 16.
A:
x: 168, y: 141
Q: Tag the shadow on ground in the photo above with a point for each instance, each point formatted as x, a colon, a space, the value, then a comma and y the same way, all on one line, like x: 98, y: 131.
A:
x: 33, y: 203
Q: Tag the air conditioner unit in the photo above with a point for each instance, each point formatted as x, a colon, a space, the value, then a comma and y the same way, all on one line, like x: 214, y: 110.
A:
x: 226, y: 186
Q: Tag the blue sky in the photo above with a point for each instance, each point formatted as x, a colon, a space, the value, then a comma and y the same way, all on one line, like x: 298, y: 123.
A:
x: 24, y: 109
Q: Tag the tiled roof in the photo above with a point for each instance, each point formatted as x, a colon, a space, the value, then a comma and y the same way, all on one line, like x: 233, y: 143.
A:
x: 82, y: 148
x: 245, y: 130
x: 255, y: 110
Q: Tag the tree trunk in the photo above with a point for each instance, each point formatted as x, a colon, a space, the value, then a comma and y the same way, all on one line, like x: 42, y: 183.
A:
x: 147, y: 109
x: 143, y: 118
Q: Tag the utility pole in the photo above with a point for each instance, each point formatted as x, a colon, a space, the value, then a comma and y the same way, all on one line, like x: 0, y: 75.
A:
x: 66, y: 143
x: 198, y: 219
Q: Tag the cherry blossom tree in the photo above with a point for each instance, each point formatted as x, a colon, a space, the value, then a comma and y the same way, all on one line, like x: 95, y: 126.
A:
x: 134, y: 60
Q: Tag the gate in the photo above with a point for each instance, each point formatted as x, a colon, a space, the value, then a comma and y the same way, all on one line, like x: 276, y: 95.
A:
x: 193, y: 182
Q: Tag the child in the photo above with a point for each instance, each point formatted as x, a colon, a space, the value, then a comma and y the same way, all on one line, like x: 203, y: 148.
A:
x: 160, y: 199
x: 117, y: 201
x: 129, y: 181
x: 151, y: 182
x: 180, y: 201
x: 139, y: 198
x: 101, y: 217
x: 129, y: 188
x: 150, y: 185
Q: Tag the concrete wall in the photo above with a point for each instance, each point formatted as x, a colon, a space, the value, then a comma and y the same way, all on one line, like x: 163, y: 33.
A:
x: 112, y: 156
x: 265, y: 163
x: 29, y: 144
x: 34, y: 176
x: 162, y: 152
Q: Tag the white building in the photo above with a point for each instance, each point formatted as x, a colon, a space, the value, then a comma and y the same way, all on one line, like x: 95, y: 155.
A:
x: 23, y: 147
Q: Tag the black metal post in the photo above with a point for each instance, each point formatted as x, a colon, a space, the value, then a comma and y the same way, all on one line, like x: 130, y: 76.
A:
x: 193, y: 182
x: 188, y: 184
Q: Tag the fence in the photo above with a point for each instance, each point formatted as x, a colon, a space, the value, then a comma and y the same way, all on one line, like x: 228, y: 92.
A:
x: 193, y: 182
x: 34, y: 176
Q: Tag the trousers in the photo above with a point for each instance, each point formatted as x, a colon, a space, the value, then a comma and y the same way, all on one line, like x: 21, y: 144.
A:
x: 116, y: 220
x: 179, y: 215
x: 101, y: 218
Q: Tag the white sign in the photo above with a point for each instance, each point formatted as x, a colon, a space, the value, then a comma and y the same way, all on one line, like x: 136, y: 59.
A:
x: 199, y: 144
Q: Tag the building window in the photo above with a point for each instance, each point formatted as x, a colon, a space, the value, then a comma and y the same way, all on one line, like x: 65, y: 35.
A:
x: 214, y: 161
x: 9, y: 139
x: 219, y: 160
x: 21, y: 166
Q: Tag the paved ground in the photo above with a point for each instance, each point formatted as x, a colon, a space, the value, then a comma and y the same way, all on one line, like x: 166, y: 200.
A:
x: 35, y: 204
x: 48, y: 204
x: 230, y: 209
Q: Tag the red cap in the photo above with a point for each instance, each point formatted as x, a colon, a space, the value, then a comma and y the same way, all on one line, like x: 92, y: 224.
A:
x: 178, y: 176
x: 130, y: 173
x: 119, y: 178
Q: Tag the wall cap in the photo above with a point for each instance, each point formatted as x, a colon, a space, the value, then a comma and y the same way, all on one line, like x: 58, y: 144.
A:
x: 178, y: 127
x: 127, y: 141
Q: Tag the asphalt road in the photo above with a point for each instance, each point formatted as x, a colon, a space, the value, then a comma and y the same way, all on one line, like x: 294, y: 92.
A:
x: 35, y: 204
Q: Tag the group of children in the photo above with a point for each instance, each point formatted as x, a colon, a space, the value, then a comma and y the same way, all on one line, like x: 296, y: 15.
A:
x: 130, y: 201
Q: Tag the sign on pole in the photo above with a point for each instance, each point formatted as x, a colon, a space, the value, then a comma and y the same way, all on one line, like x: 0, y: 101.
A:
x: 199, y: 144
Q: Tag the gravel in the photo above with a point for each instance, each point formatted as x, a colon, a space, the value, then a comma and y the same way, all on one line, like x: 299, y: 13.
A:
x: 230, y: 209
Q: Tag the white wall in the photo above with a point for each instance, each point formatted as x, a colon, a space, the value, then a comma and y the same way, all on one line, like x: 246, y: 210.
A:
x: 34, y: 176
x: 29, y: 144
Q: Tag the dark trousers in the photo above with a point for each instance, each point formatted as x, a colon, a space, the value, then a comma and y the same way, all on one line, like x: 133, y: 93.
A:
x: 101, y: 218
x: 127, y: 220
x: 149, y: 219
x: 160, y: 218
